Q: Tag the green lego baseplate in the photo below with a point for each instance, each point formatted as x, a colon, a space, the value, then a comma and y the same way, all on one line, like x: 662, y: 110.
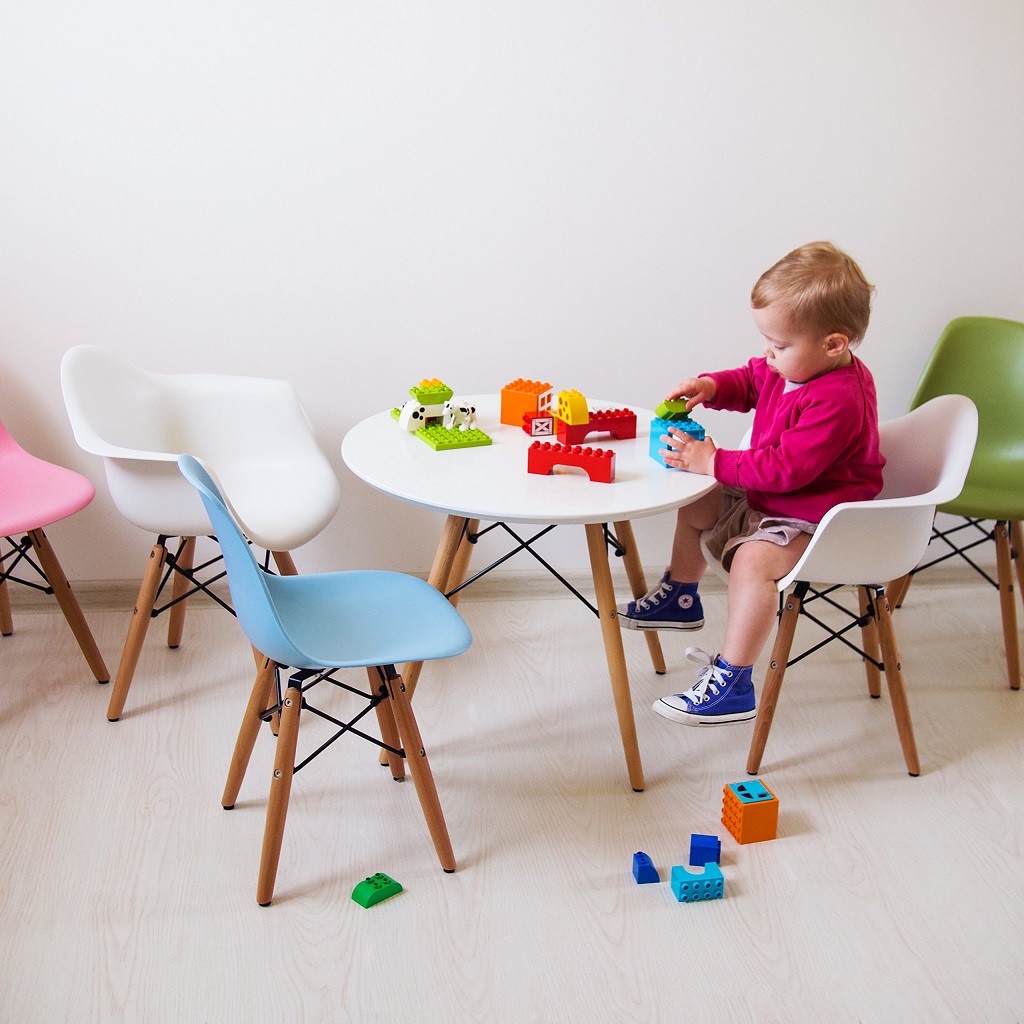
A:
x: 446, y: 439
x: 374, y: 889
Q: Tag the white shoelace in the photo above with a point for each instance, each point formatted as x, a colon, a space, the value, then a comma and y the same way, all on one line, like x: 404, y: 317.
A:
x: 654, y: 597
x: 712, y: 677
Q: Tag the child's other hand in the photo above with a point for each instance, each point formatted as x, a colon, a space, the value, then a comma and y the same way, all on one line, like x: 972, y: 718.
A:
x: 696, y: 391
x: 683, y: 452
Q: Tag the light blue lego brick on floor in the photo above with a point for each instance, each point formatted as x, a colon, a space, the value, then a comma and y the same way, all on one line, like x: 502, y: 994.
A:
x: 688, y: 887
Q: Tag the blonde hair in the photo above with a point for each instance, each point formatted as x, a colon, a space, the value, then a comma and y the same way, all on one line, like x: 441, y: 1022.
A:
x: 822, y: 288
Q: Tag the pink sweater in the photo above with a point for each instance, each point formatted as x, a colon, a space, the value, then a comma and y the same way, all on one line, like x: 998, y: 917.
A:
x: 810, y: 448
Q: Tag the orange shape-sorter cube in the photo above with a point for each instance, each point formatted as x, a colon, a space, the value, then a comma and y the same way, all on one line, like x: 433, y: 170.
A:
x: 522, y: 396
x: 750, y: 811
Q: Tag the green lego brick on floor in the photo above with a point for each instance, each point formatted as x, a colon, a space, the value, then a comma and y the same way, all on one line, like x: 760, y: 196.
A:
x: 374, y: 889
x: 446, y: 439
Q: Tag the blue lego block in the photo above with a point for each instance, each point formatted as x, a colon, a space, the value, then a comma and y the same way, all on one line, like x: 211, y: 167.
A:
x: 643, y: 870
x: 660, y: 426
x: 691, y: 888
x: 705, y: 849
x: 752, y: 792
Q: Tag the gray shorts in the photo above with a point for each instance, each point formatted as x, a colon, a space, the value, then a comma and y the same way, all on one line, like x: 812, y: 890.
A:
x: 740, y: 523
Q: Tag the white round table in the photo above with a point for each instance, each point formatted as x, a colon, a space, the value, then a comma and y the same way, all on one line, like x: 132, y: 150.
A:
x: 491, y: 483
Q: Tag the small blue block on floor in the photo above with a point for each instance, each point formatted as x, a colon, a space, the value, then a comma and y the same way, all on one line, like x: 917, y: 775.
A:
x: 704, y: 849
x: 690, y: 888
x: 643, y: 870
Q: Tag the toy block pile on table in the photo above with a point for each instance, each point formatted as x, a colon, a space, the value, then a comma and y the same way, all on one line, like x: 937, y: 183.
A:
x: 435, y: 416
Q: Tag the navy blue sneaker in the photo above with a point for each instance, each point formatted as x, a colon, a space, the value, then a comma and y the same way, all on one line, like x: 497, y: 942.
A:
x: 669, y: 605
x: 723, y: 693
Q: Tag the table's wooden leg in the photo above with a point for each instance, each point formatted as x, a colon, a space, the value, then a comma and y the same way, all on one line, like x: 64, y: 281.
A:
x: 638, y: 585
x: 440, y: 573
x: 460, y: 565
x: 614, y: 652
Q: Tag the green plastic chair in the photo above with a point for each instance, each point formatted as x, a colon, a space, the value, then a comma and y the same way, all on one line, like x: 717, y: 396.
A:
x: 983, y: 357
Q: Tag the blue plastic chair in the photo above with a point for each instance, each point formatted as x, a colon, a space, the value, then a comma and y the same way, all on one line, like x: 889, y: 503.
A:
x: 315, y: 625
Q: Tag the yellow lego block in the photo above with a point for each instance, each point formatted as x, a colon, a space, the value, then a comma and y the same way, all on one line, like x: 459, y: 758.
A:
x: 572, y: 408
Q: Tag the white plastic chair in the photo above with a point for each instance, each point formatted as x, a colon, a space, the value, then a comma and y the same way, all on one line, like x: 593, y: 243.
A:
x: 868, y: 543
x: 252, y: 431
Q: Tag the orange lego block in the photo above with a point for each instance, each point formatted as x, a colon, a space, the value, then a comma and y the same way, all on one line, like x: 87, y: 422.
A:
x: 522, y: 396
x: 750, y: 811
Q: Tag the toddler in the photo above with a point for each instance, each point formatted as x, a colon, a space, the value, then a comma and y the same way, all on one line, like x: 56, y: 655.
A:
x: 814, y: 444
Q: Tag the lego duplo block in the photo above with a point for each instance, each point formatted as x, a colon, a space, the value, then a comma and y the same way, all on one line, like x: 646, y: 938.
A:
x: 597, y: 463
x: 521, y: 396
x: 375, y: 888
x: 446, y: 439
x: 660, y: 427
x: 643, y: 870
x: 539, y: 424
x: 572, y: 407
x: 431, y: 392
x: 672, y: 409
x: 750, y: 811
x: 620, y: 423
x: 690, y: 888
x: 705, y: 849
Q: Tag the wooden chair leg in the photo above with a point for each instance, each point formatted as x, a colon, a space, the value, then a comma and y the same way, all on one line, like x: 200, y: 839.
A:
x: 897, y: 590
x: 388, y: 727
x: 285, y: 563
x: 1007, y: 602
x: 419, y: 768
x: 280, y: 792
x: 638, y: 587
x: 260, y: 699
x: 137, y: 631
x: 6, y: 619
x: 179, y: 586
x: 68, y: 604
x: 869, y: 641
x: 773, y: 678
x: 1016, y: 553
x: 894, y: 679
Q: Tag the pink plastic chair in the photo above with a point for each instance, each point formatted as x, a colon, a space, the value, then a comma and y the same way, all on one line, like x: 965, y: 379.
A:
x: 34, y: 494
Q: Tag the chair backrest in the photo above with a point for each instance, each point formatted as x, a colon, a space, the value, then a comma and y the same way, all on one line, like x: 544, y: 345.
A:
x: 35, y: 493
x: 928, y: 452
x: 252, y: 431
x: 983, y: 358
x: 248, y: 584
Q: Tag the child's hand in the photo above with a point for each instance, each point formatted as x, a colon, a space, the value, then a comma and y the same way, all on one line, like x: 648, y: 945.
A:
x: 696, y: 390
x: 683, y: 452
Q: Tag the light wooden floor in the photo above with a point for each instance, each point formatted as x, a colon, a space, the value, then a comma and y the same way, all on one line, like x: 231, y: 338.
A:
x: 127, y: 893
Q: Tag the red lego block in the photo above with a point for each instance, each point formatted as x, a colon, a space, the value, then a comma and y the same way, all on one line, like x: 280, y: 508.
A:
x: 620, y: 423
x: 597, y: 463
x: 539, y: 424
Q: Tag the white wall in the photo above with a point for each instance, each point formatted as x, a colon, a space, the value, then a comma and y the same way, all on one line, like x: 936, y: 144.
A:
x: 355, y: 196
